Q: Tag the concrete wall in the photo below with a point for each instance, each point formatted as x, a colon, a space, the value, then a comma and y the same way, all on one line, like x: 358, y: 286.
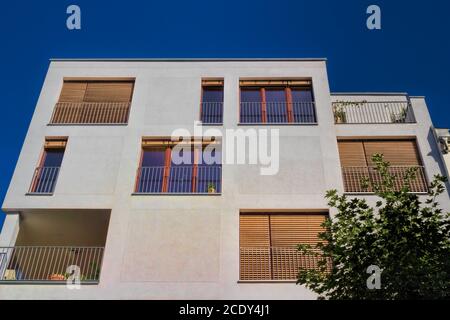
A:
x: 184, y: 247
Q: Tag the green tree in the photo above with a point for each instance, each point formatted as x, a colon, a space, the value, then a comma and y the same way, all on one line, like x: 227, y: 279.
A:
x: 407, y: 239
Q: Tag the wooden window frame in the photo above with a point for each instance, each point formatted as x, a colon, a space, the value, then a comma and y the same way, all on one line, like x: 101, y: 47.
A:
x: 364, y: 139
x: 287, y: 85
x: 167, y: 146
x: 269, y: 215
x: 211, y: 82
x: 49, y: 144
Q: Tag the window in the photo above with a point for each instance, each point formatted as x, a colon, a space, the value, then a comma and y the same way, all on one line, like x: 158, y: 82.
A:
x: 277, y: 101
x: 94, y: 102
x: 268, y: 244
x: 211, y: 109
x: 169, y: 167
x: 357, y: 164
x: 46, y: 174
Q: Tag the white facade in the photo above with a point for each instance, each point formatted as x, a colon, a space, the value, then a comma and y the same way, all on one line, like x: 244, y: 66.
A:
x: 184, y: 247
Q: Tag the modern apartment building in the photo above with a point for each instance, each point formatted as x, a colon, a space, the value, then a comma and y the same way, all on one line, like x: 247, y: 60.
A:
x: 97, y: 185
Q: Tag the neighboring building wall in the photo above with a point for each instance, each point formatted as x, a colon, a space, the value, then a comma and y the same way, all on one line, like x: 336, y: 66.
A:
x: 443, y: 135
x: 187, y: 247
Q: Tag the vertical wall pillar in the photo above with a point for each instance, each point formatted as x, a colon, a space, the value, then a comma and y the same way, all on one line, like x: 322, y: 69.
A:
x: 10, y: 230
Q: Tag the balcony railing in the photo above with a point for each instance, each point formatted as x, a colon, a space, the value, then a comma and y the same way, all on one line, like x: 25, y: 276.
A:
x: 44, y: 180
x: 373, y: 112
x: 212, y: 112
x: 38, y: 264
x: 275, y: 263
x: 355, y: 178
x: 278, y: 112
x: 91, y: 113
x: 200, y: 179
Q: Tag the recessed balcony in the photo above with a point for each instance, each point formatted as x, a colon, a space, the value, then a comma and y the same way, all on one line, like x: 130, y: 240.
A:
x: 366, y: 112
x: 54, y: 246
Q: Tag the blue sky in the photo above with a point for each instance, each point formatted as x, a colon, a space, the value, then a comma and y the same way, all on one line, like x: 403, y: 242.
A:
x: 410, y: 53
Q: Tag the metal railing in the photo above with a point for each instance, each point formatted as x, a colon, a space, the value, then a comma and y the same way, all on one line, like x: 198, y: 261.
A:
x: 355, y: 178
x: 180, y: 179
x: 49, y: 264
x: 275, y: 263
x: 278, y: 112
x: 373, y: 112
x: 212, y: 112
x: 44, y: 180
x: 91, y: 113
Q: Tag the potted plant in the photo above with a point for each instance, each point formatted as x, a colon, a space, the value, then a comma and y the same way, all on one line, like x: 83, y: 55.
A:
x: 340, y: 109
x: 57, y: 277
x: 399, y: 117
x: 339, y: 114
x: 211, y: 188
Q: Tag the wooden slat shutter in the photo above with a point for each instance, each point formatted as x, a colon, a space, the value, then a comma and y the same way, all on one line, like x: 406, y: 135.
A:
x: 287, y: 231
x: 212, y: 82
x: 291, y: 230
x: 109, y: 92
x: 55, y: 144
x: 398, y: 153
x: 73, y: 91
x: 254, y: 231
x: 254, y: 254
x: 352, y: 153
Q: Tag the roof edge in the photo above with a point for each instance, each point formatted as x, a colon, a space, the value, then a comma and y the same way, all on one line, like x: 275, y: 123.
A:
x: 182, y: 59
x: 369, y: 93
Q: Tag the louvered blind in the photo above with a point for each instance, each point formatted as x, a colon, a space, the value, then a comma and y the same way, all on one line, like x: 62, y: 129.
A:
x: 96, y: 91
x: 398, y: 153
x: 254, y: 231
x: 357, y: 164
x: 268, y: 244
x: 254, y: 254
x: 212, y: 82
x: 55, y: 143
x: 291, y: 230
x: 109, y: 92
x: 352, y: 153
x: 73, y: 91
x: 94, y: 101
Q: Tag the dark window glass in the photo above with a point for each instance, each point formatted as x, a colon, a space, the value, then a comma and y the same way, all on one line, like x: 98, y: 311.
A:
x: 152, y: 172
x: 209, y: 173
x: 53, y: 157
x: 303, y: 106
x: 185, y: 155
x: 181, y: 171
x: 251, y: 95
x: 212, y: 105
x: 251, y: 105
x: 47, y: 175
x: 276, y: 106
x: 301, y: 95
x: 153, y: 158
x: 212, y: 94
